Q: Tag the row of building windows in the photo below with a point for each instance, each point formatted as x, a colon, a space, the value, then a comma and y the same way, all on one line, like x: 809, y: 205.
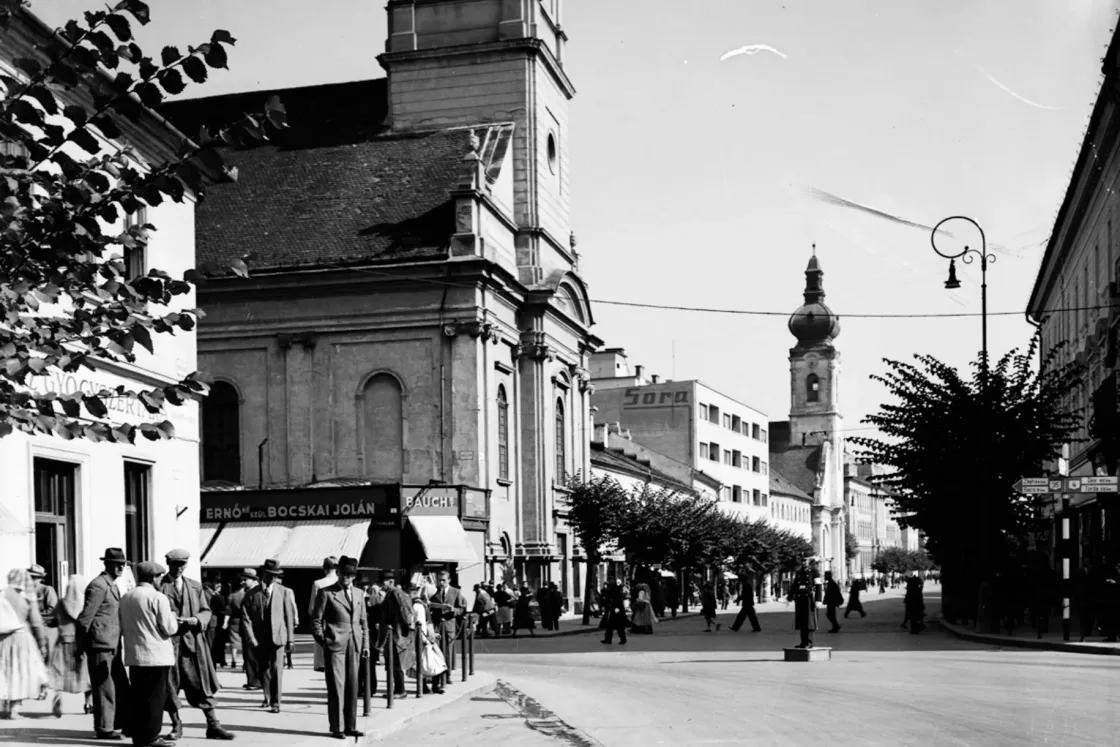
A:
x: 711, y: 413
x: 789, y: 512
x: 733, y: 458
x: 739, y: 494
x: 384, y: 437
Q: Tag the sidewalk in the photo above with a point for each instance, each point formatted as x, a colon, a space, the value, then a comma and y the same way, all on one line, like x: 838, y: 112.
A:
x: 1026, y: 637
x: 302, y: 723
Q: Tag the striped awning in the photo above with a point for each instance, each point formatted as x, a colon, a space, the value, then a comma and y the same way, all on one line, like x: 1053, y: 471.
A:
x: 247, y: 544
x: 309, y: 543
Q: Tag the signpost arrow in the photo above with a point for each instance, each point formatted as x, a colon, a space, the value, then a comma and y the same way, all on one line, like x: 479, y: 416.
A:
x: 1045, y: 485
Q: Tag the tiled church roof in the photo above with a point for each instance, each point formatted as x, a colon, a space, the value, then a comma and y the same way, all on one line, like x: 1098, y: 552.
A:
x: 779, y: 485
x: 798, y: 465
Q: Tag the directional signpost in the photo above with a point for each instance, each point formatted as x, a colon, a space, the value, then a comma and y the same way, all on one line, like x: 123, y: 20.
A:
x: 1065, y: 486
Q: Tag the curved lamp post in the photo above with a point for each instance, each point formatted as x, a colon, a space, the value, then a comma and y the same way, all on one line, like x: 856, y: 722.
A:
x: 968, y: 256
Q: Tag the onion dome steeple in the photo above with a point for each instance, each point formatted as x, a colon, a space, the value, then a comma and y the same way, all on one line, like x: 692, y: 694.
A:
x: 814, y: 323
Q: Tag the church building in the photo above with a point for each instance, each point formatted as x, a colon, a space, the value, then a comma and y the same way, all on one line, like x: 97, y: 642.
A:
x: 808, y: 449
x: 415, y: 326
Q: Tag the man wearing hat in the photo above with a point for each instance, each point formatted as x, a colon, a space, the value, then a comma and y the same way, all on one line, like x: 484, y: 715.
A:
x: 100, y: 635
x: 147, y: 624
x: 268, y: 622
x: 804, y: 606
x: 330, y: 578
x: 48, y: 600
x: 237, y: 639
x: 339, y: 624
x: 397, y: 619
x: 193, y: 671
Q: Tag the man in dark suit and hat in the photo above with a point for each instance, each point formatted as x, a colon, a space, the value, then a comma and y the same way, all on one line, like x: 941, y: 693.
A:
x: 339, y: 624
x: 269, y: 624
x: 249, y: 581
x: 193, y: 671
x: 99, y: 630
x: 397, y: 620
x: 804, y: 606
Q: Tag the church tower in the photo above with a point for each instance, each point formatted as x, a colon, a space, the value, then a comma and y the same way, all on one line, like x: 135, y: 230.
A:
x: 460, y: 63
x: 814, y: 366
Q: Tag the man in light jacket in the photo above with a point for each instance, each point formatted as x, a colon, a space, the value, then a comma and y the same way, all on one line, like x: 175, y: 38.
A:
x: 268, y: 622
x: 330, y: 578
x: 147, y: 624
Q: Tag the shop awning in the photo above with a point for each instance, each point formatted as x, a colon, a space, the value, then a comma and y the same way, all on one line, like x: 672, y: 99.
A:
x: 206, y: 534
x: 444, y: 539
x: 309, y: 543
x: 247, y: 544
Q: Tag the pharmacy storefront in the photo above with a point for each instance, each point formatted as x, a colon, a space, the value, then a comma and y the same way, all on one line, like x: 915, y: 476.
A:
x: 63, y: 502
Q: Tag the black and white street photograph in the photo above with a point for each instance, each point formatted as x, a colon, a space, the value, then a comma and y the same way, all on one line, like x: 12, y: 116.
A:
x: 465, y: 373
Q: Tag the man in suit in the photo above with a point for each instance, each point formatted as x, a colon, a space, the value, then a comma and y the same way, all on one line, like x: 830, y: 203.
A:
x: 268, y: 622
x: 396, y: 630
x: 99, y: 630
x: 249, y: 582
x: 448, y: 606
x: 340, y: 626
x: 330, y: 578
x: 193, y: 671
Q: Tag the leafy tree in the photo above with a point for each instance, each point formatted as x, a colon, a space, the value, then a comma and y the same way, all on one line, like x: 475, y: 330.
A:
x: 851, y: 546
x: 597, y: 508
x: 957, y: 445
x: 66, y: 297
x: 891, y: 560
x: 679, y: 531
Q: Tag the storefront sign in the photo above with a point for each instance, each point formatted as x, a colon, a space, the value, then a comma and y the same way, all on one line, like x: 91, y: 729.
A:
x: 375, y: 502
x: 437, y: 501
x: 475, y: 504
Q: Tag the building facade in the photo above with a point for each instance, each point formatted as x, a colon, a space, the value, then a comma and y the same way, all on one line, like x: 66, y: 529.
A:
x: 692, y: 424
x: 1075, y: 301
x: 808, y: 448
x: 415, y: 313
x: 64, y: 502
x: 871, y: 518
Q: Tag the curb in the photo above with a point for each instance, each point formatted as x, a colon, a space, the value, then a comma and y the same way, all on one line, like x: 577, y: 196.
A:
x: 455, y: 695
x: 593, y: 628
x: 1010, y: 642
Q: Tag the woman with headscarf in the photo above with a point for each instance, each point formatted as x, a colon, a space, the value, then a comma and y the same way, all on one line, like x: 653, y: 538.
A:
x: 22, y: 644
x: 67, y: 670
x: 644, y: 617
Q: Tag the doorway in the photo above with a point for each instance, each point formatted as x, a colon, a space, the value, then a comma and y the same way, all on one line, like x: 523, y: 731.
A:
x: 55, y: 530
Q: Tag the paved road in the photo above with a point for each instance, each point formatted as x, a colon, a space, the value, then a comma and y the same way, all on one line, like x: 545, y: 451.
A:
x: 682, y: 686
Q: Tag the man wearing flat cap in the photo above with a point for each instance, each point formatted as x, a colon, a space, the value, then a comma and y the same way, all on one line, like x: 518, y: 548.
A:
x: 268, y: 623
x: 193, y: 671
x: 147, y: 624
x: 99, y: 631
x: 339, y: 624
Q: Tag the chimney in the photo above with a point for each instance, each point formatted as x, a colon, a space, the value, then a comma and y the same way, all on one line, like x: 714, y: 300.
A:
x: 655, y: 378
x: 602, y: 434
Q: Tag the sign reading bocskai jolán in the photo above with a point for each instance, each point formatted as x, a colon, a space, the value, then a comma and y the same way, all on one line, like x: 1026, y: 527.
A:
x: 379, y: 503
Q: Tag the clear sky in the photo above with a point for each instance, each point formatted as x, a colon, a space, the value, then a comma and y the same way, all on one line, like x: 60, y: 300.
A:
x: 690, y: 174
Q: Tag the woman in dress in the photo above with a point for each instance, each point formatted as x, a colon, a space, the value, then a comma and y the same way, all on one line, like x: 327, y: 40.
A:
x: 708, y: 607
x: 68, y: 673
x: 644, y: 618
x: 504, y: 602
x: 431, y: 663
x: 22, y: 644
x: 523, y: 613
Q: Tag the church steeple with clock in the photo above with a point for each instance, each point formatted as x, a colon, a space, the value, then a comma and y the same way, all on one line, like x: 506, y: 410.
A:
x: 814, y: 365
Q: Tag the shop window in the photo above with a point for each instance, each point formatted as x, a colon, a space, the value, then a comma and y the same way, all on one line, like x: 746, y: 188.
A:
x: 561, y: 436
x: 137, y: 511
x: 383, y: 409
x: 221, y: 434
x: 503, y: 434
x: 55, y: 529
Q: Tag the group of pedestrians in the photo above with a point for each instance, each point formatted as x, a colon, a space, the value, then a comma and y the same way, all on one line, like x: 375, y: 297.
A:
x: 503, y: 611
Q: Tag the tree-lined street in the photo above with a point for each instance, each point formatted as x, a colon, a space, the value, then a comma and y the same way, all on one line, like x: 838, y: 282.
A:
x: 882, y: 687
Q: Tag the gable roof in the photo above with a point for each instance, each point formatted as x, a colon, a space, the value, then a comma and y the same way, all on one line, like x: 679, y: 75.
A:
x: 798, y: 465
x: 334, y: 189
x: 779, y: 485
x: 616, y: 460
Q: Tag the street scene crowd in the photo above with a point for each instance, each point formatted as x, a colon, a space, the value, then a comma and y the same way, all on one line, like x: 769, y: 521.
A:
x: 133, y: 645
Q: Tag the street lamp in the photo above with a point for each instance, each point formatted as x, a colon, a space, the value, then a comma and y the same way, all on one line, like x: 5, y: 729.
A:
x: 968, y: 256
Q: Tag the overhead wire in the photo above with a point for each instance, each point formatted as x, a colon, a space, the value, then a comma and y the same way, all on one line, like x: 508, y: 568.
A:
x: 755, y: 312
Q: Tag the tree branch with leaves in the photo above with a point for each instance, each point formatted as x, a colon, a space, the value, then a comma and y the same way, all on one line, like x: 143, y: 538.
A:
x: 66, y: 185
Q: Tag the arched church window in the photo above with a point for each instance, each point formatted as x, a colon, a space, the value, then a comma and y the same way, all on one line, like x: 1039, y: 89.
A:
x: 383, y: 420
x: 561, y: 442
x: 221, y: 433
x: 813, y: 388
x: 503, y: 434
